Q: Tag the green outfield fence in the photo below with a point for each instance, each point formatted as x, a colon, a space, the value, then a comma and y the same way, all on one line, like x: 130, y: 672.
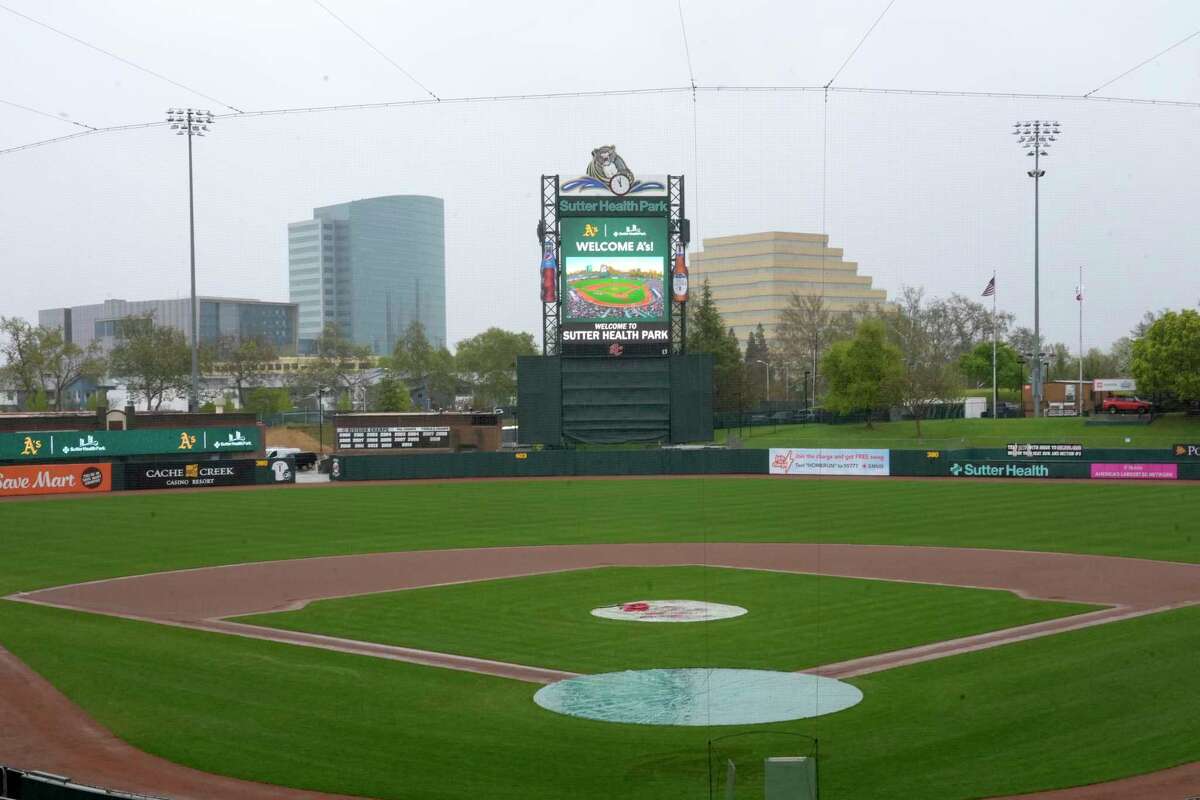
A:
x: 719, y: 461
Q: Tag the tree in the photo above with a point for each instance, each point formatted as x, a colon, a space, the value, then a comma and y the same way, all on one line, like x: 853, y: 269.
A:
x: 929, y: 353
x: 265, y: 401
x: 707, y: 334
x: 339, y: 366
x: 65, y: 362
x: 757, y: 351
x: 864, y: 373
x: 807, y: 327
x: 24, y: 366
x: 488, y: 362
x: 1166, y: 359
x: 390, y: 394
x: 245, y: 361
x: 155, y: 361
x: 425, y: 369
x: 976, y: 366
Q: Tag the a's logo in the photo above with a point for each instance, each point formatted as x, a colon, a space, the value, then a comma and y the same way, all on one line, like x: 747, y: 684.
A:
x: 191, y: 471
x: 615, y: 349
x: 186, y: 442
x: 955, y: 469
x: 32, y: 446
x: 590, y: 230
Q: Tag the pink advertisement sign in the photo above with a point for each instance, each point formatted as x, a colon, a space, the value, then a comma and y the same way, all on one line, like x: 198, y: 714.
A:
x: 1142, y: 472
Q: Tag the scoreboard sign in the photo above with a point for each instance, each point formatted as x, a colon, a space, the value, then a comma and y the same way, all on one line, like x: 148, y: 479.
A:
x: 392, y: 438
x: 614, y: 296
x: 610, y: 271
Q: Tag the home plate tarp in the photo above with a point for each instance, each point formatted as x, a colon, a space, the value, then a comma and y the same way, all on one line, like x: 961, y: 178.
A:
x: 697, y: 696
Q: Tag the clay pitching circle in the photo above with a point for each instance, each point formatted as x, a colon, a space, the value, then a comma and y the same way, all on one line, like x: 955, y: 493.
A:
x: 668, y: 611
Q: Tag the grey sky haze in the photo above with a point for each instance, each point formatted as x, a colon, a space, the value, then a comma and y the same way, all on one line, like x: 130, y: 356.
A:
x: 919, y: 190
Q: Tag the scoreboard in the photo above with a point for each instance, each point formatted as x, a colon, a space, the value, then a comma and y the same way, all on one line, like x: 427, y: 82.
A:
x: 393, y: 438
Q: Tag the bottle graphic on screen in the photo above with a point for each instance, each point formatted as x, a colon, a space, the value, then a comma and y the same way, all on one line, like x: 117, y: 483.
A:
x: 549, y: 272
x: 679, y: 277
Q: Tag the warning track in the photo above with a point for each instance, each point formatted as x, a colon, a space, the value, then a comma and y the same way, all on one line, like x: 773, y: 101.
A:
x: 54, y: 735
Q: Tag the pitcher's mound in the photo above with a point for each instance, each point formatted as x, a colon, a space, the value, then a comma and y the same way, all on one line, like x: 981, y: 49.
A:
x: 668, y: 611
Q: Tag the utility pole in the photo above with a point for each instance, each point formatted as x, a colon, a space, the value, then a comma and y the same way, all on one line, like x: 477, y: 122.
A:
x: 1035, y: 137
x: 192, y: 122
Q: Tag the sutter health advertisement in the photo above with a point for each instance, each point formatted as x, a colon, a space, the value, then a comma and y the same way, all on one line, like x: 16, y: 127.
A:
x: 614, y: 299
x: 811, y: 461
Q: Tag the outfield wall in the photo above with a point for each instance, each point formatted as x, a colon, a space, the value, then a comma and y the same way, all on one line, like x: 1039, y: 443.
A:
x: 977, y: 463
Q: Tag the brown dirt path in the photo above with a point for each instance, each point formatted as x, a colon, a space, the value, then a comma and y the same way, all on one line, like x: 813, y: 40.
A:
x: 201, y: 597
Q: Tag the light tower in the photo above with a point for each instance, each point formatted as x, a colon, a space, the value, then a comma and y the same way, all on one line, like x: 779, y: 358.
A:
x: 192, y: 122
x: 1035, y: 137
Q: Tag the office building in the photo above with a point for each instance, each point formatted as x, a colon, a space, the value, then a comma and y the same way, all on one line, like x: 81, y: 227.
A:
x: 371, y: 267
x: 753, y: 276
x: 220, y: 318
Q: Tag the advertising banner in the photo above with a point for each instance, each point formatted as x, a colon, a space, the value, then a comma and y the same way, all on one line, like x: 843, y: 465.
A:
x: 191, y: 475
x: 613, y: 289
x: 54, y: 479
x: 1114, y: 385
x: 995, y: 469
x: 812, y: 461
x: 1045, y: 450
x: 1136, y: 472
x: 40, y: 445
x: 1186, y: 450
x: 377, y: 438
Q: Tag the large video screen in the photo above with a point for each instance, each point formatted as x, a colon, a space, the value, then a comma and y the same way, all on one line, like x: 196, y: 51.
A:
x: 614, y: 296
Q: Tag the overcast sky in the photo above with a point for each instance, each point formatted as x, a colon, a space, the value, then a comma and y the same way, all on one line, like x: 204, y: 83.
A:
x: 919, y: 190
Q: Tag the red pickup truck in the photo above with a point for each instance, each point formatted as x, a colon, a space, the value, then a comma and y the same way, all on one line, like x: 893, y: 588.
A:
x: 1127, y: 405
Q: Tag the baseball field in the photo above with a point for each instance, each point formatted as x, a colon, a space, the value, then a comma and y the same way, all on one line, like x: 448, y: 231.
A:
x: 613, y: 291
x: 386, y: 640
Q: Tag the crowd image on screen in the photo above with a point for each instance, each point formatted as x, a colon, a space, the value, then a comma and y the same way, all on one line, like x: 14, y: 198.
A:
x: 578, y: 307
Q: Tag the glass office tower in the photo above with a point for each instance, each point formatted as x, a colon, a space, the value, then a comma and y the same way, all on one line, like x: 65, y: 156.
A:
x: 372, y: 267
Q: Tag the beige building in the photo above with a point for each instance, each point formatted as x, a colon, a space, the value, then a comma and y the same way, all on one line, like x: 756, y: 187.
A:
x: 752, y: 276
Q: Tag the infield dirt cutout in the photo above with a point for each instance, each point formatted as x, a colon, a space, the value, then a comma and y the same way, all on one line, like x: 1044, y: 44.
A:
x: 202, y: 598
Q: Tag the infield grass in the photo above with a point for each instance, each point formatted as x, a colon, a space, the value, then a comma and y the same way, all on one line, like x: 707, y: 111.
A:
x: 1079, y: 707
x: 793, y: 621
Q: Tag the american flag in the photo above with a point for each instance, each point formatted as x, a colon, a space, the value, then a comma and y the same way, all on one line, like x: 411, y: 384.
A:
x: 990, y: 289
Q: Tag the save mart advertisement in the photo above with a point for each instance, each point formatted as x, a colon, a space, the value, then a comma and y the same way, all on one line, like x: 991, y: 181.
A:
x: 40, y: 445
x: 614, y: 299
x: 54, y: 479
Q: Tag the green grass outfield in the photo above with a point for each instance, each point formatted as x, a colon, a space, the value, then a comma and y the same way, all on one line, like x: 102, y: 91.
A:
x: 957, y: 433
x: 1078, y: 707
x: 793, y: 621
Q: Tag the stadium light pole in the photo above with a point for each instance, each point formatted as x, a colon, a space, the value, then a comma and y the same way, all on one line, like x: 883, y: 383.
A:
x: 768, y: 371
x: 1035, y: 137
x: 192, y: 122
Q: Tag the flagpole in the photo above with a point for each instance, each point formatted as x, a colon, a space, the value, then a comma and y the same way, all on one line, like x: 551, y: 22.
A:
x: 1079, y: 292
x: 995, y: 404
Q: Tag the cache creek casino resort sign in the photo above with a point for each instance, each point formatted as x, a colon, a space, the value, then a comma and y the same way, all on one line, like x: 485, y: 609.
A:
x: 618, y: 274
